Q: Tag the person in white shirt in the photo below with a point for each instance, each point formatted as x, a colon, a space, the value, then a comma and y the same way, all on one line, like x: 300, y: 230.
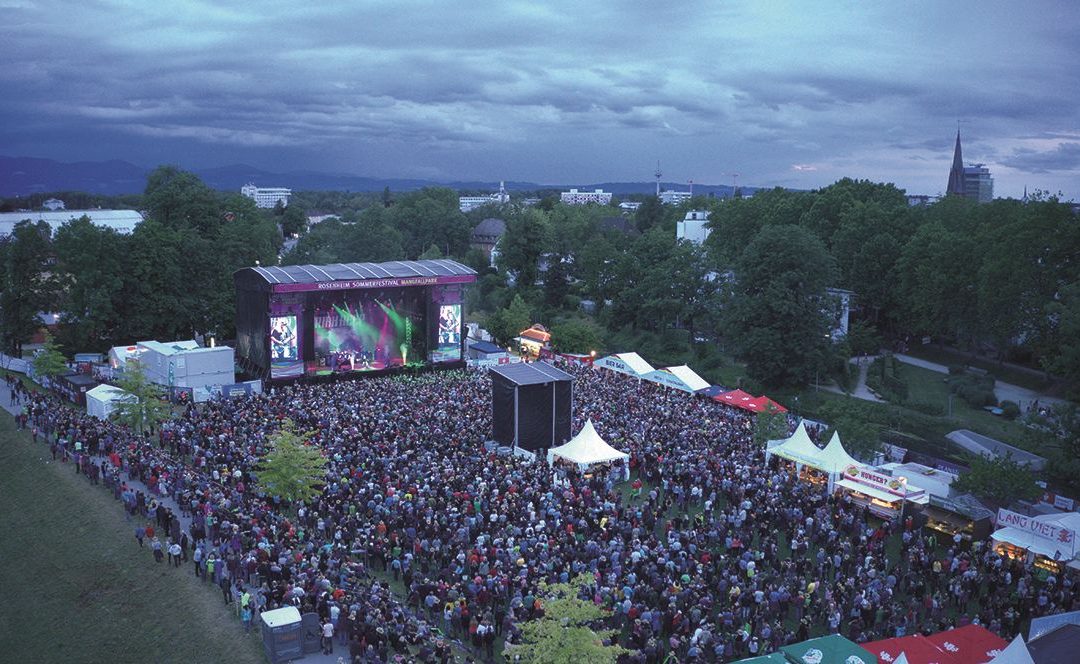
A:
x: 328, y: 638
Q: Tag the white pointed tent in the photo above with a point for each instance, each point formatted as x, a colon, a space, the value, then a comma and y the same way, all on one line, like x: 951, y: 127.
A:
x: 1014, y: 653
x: 588, y: 448
x: 835, y: 460
x: 797, y: 447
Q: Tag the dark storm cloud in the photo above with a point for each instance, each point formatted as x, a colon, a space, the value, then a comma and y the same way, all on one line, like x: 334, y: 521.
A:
x: 1065, y: 157
x: 553, y: 92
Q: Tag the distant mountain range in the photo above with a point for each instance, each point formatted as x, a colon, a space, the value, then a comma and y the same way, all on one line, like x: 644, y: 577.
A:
x: 21, y: 176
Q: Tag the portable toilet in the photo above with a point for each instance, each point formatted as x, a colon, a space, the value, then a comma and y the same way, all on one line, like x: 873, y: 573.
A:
x: 282, y: 638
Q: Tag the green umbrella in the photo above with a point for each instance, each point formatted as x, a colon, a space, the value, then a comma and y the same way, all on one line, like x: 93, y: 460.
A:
x: 832, y: 649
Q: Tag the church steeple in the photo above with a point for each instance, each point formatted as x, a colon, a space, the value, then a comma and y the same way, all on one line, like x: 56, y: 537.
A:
x: 956, y: 175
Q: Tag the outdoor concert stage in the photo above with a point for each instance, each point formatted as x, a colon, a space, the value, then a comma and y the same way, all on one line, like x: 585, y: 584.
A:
x: 298, y: 321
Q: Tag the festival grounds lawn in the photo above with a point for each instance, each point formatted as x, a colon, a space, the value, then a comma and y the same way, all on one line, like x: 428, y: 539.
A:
x: 76, y: 585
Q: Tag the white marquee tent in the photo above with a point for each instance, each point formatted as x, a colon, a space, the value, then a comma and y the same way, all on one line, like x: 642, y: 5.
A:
x: 588, y: 448
x: 681, y: 378
x: 631, y: 364
x: 101, y: 400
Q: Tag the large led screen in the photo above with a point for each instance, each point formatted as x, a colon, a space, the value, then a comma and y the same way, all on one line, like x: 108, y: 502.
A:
x: 284, y: 348
x: 367, y: 333
x: 448, y: 336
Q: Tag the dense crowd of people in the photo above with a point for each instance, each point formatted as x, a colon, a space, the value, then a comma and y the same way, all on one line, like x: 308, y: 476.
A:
x: 423, y: 537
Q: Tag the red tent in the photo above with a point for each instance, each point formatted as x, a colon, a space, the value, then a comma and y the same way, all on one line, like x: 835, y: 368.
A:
x: 764, y: 403
x: 917, y: 648
x: 971, y: 644
x: 736, y: 398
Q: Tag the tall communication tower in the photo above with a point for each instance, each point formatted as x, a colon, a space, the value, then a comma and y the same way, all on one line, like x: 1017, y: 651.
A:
x: 658, y: 176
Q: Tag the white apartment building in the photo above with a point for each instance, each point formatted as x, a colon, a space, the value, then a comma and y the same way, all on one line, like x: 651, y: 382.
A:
x: 121, y: 221
x: 671, y: 197
x: 466, y: 203
x: 694, y: 227
x: 575, y: 197
x: 266, y: 197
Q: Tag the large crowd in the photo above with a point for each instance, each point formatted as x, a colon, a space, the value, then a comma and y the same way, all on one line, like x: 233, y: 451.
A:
x: 423, y: 537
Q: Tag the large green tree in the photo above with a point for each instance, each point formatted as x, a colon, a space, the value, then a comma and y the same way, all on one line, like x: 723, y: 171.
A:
x: 564, y: 634
x: 49, y: 362
x: 291, y: 470
x: 28, y: 288
x: 527, y: 237
x: 1000, y: 479
x: 90, y: 277
x: 144, y: 407
x: 179, y: 199
x: 774, y: 316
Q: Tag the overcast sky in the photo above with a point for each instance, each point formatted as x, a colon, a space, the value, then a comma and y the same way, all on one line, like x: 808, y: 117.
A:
x: 795, y: 94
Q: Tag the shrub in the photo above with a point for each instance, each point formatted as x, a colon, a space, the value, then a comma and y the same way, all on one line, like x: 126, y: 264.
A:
x: 976, y: 391
x: 927, y: 408
x: 1010, y: 409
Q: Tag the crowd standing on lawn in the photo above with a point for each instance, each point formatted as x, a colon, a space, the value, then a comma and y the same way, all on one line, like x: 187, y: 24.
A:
x: 713, y: 555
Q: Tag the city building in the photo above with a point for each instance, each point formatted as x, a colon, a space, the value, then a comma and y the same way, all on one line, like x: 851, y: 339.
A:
x: 839, y: 303
x: 53, y: 204
x: 575, y: 197
x: 978, y: 184
x: 916, y: 200
x: 266, y: 197
x: 694, y: 227
x: 121, y: 221
x: 672, y: 197
x: 486, y: 235
x: 972, y: 182
x: 466, y: 203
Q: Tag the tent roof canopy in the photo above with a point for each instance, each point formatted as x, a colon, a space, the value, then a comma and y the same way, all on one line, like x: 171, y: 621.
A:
x: 633, y: 361
x: 834, y: 458
x: 970, y: 643
x: 587, y: 447
x: 797, y: 447
x: 735, y: 398
x: 827, y: 649
x: 689, y: 377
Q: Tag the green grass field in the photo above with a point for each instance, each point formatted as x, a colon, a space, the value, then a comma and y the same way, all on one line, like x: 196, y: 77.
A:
x: 1032, y: 380
x: 929, y: 386
x: 77, y: 587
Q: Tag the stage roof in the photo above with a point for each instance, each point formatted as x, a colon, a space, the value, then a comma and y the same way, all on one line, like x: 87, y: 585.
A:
x: 344, y: 275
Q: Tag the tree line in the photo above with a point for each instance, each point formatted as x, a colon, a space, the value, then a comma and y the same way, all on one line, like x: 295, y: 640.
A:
x: 1000, y: 277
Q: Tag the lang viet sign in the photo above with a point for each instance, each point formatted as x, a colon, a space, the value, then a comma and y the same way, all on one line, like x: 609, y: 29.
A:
x: 1062, y: 539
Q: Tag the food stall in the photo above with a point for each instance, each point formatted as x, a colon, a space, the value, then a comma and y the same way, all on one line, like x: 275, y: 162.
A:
x: 1047, y: 541
x: 882, y: 494
x: 944, y: 511
x: 801, y: 454
x: 959, y: 514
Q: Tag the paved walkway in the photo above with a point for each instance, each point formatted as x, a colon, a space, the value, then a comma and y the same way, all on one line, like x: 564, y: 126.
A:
x: 861, y: 391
